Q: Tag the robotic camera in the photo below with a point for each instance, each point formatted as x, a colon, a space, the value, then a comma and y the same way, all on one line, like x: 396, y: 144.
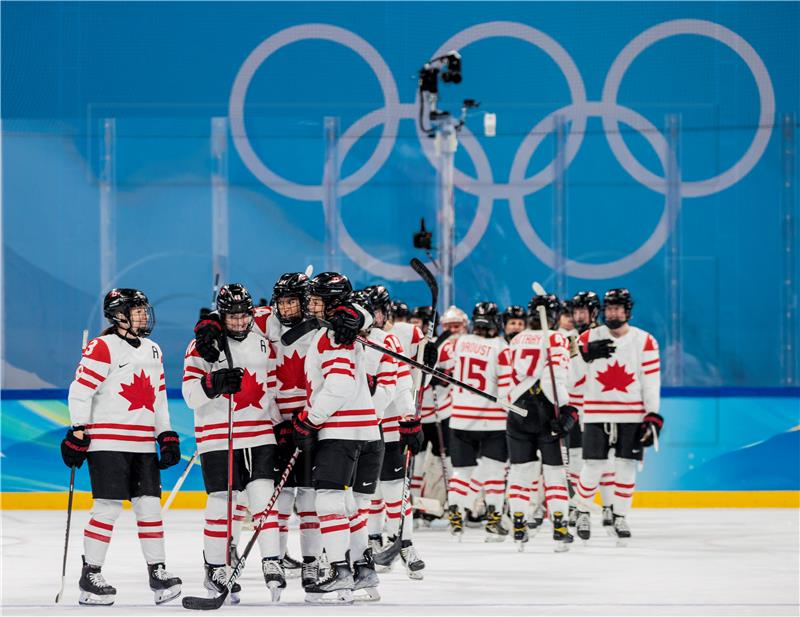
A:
x: 422, y: 238
x: 448, y: 67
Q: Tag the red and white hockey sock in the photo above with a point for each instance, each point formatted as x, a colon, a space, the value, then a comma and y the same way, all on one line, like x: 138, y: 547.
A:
x: 493, y: 474
x: 284, y: 505
x: 419, y: 473
x: 151, y: 529
x: 607, y: 482
x: 459, y: 491
x: 334, y: 524
x: 624, y: 484
x: 239, y: 514
x: 520, y: 478
x: 97, y: 534
x: 309, y: 523
x: 215, y: 532
x: 393, y: 493
x: 588, y: 482
x: 574, y: 467
x: 358, y: 507
x: 556, y: 494
x: 259, y: 493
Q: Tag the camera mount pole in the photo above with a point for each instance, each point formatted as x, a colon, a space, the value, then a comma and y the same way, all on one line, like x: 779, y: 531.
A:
x: 446, y: 145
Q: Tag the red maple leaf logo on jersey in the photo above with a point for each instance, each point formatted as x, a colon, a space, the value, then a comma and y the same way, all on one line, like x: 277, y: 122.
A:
x: 291, y: 374
x: 140, y: 393
x: 615, y: 377
x: 251, y: 393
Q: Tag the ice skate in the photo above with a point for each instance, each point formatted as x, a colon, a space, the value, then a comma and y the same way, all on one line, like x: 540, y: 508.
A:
x: 474, y: 520
x: 94, y: 588
x: 164, y: 585
x: 456, y: 522
x: 495, y: 532
x: 215, y: 579
x: 335, y: 588
x: 536, y: 519
x: 608, y: 517
x: 377, y: 545
x: 365, y: 580
x: 583, y: 526
x: 563, y: 538
x: 310, y: 572
x: 620, y: 530
x: 274, y: 577
x: 520, y: 531
x: 414, y: 565
x: 291, y: 566
x: 573, y: 516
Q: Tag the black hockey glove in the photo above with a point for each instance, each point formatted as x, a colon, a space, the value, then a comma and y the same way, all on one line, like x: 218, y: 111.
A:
x: 284, y: 437
x: 73, y: 450
x: 430, y: 355
x: 595, y: 350
x: 567, y: 418
x: 208, y: 337
x: 347, y: 323
x: 170, y: 449
x: 305, y: 431
x: 651, y: 422
x: 222, y: 381
x: 411, y: 435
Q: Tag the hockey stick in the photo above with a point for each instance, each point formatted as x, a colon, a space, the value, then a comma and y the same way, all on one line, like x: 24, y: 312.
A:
x: 309, y: 270
x: 84, y: 342
x: 66, y: 536
x: 389, y: 554
x: 197, y: 603
x: 175, y: 489
x: 229, y: 528
x: 303, y: 328
x: 539, y: 291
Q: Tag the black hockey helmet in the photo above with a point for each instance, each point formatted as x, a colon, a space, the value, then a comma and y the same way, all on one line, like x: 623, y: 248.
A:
x: 589, y: 301
x: 380, y: 299
x: 332, y: 287
x: 362, y: 298
x: 485, y: 317
x: 400, y: 309
x: 514, y: 311
x: 619, y: 297
x: 117, y: 306
x: 423, y: 313
x: 234, y: 299
x: 552, y: 307
x: 291, y: 285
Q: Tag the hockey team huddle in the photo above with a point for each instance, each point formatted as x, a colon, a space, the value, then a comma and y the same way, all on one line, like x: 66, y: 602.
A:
x: 328, y: 403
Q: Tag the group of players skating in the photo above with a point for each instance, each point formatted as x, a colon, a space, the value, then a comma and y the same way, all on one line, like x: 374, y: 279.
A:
x: 268, y: 382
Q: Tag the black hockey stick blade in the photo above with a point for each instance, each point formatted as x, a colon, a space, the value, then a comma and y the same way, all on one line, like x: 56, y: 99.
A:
x: 387, y: 556
x: 297, y: 332
x: 427, y: 276
x: 196, y: 603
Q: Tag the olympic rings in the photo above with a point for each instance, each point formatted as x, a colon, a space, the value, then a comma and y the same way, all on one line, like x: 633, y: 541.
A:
x: 518, y: 187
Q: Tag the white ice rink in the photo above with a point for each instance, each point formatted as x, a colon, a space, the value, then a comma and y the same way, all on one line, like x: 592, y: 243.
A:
x: 709, y: 562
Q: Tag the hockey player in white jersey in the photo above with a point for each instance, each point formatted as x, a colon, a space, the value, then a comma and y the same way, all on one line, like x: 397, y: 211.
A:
x: 120, y: 420
x: 536, y: 388
x: 478, y: 447
x: 339, y: 421
x: 249, y: 387
x: 394, y: 405
x: 621, y: 399
x: 585, y: 311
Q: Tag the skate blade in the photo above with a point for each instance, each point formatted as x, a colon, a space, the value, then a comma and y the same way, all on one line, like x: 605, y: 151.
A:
x: 367, y: 594
x: 90, y: 599
x: 165, y: 595
x: 415, y: 576
x: 275, y: 590
x: 343, y: 596
x: 494, y: 538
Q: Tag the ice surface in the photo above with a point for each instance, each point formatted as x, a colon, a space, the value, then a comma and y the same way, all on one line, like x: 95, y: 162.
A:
x: 710, y: 562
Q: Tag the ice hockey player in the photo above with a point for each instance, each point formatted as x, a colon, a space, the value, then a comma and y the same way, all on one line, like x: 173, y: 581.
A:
x: 209, y: 388
x: 514, y: 321
x: 537, y: 390
x: 120, y: 424
x: 585, y: 311
x: 621, y: 400
x: 566, y: 324
x: 478, y: 426
x: 338, y: 422
x: 421, y: 316
x: 394, y: 404
x: 400, y: 312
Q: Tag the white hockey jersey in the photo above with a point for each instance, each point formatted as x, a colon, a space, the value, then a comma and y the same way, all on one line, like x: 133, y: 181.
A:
x: 623, y: 387
x: 479, y: 362
x: 337, y: 392
x: 439, y: 402
x: 120, y: 396
x: 528, y: 365
x: 254, y: 408
x: 393, y: 396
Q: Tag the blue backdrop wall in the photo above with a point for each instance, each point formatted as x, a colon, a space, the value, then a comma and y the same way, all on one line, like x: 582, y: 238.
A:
x: 729, y: 73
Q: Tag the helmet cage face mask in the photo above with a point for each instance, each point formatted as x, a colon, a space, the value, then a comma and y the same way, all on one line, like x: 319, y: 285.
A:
x: 292, y: 285
x: 119, y: 307
x: 617, y: 297
x: 234, y: 299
